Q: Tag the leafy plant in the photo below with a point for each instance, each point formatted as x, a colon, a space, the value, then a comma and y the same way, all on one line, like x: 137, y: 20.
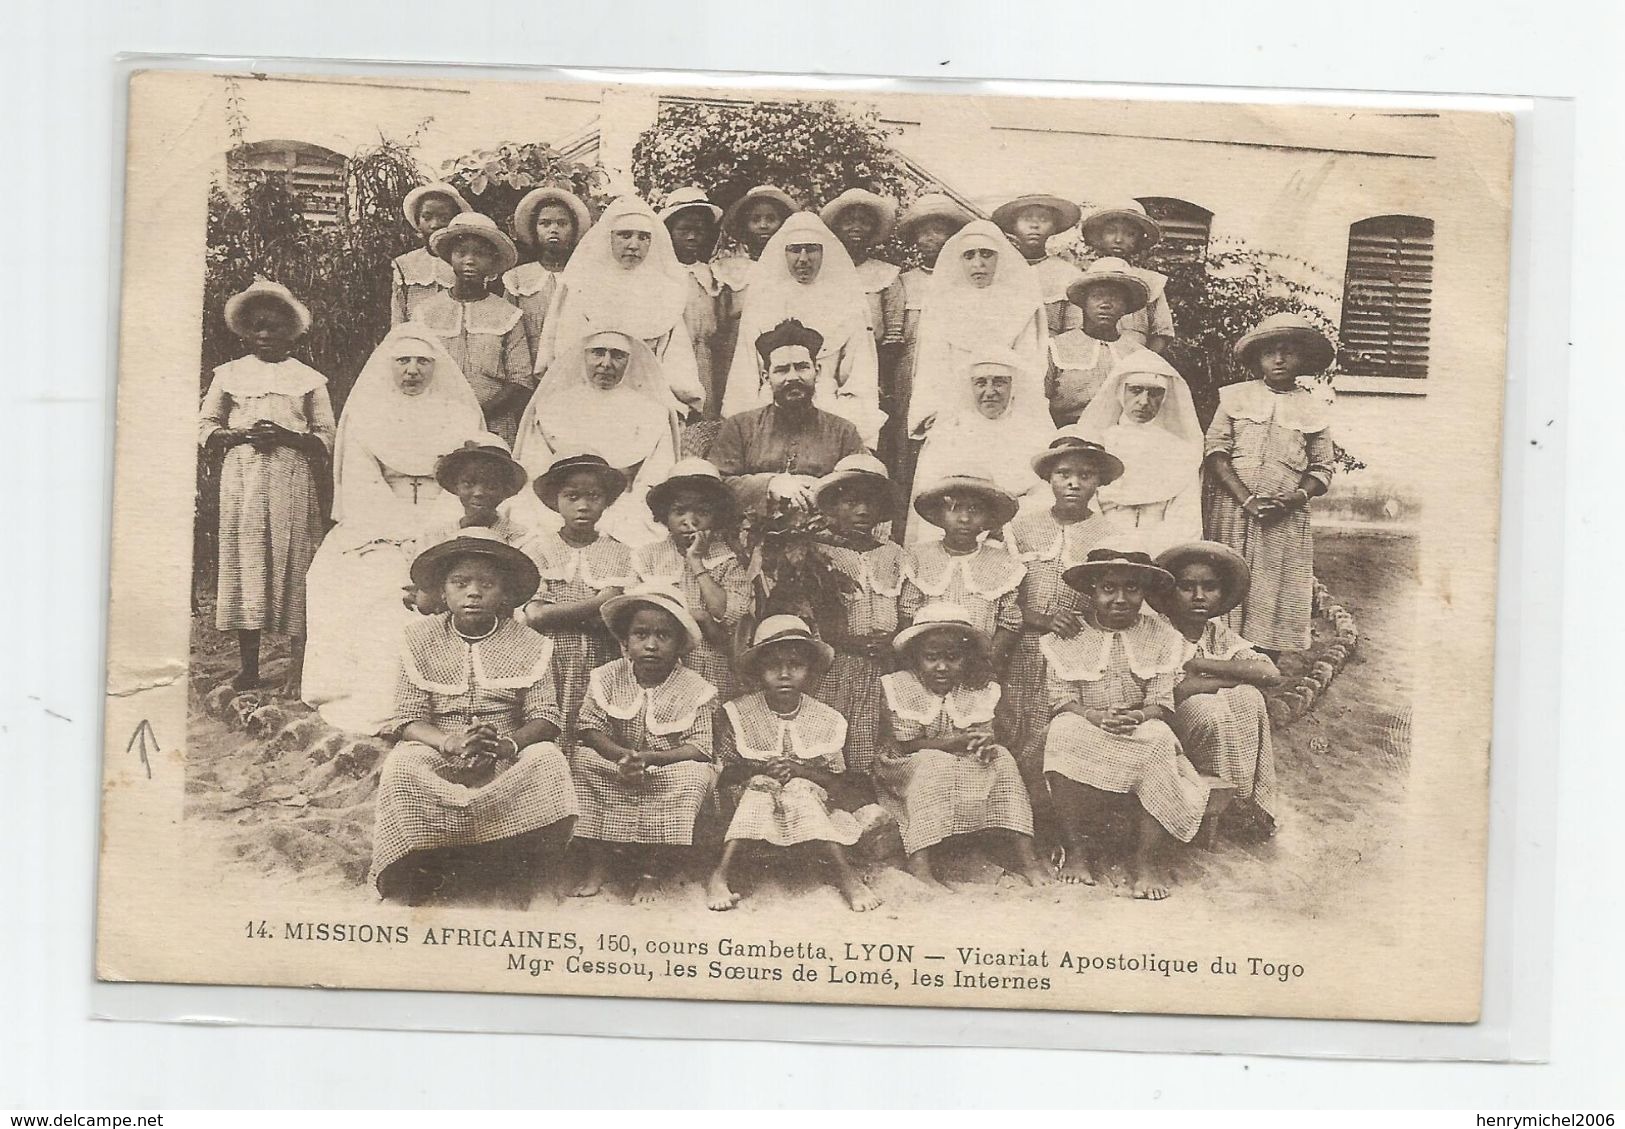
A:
x: 493, y: 181
x: 812, y: 150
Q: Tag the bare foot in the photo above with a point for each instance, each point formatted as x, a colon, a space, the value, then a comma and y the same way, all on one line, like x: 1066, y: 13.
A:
x: 650, y: 890
x: 920, y: 868
x: 1035, y: 873
x: 592, y: 884
x: 1076, y: 870
x: 717, y: 894
x: 858, y: 896
x: 1149, y: 887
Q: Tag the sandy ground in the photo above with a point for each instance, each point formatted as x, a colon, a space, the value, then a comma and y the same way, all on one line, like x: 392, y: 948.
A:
x: 293, y: 814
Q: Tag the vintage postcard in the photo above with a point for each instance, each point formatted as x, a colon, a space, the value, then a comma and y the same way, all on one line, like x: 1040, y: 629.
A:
x: 765, y: 544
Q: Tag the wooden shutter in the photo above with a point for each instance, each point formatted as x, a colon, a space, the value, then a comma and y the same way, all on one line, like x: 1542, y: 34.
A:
x: 1388, y: 297
x: 314, y: 174
x: 1185, y: 226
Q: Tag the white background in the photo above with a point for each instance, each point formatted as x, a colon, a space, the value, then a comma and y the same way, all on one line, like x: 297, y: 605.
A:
x: 61, y: 97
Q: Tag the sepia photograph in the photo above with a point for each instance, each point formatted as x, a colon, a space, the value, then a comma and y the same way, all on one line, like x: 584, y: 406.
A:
x: 761, y: 543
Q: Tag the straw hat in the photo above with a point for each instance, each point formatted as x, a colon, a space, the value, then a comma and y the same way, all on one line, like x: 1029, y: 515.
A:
x: 414, y: 199
x: 931, y: 206
x: 1066, y: 212
x: 524, y: 216
x: 942, y: 617
x: 1132, y: 211
x: 691, y: 474
x: 1101, y: 561
x: 1068, y: 442
x: 1229, y: 564
x: 733, y: 219
x: 863, y: 470
x: 1287, y: 327
x: 480, y: 226
x: 617, y: 611
x: 884, y: 208
x: 264, y: 290
x: 930, y: 501
x: 491, y: 448
x: 1114, y: 272
x: 784, y: 631
x: 548, y: 484
x: 688, y: 199
x: 430, y: 567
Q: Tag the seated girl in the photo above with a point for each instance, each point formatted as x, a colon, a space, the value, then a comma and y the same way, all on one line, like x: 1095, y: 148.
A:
x: 477, y: 788
x: 642, y: 761
x: 1220, y: 718
x: 1111, y: 690
x: 973, y: 574
x: 941, y: 771
x: 582, y: 569
x: 481, y: 475
x: 696, y: 505
x: 783, y: 748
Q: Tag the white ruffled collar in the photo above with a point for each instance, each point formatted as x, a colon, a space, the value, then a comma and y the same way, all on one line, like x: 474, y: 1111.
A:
x: 1153, y: 647
x: 816, y: 732
x: 1304, y: 409
x: 439, y: 660
x: 597, y: 565
x: 907, y: 697
x: 668, y: 708
x: 448, y: 317
x: 988, y: 572
x: 420, y: 268
x: 249, y: 376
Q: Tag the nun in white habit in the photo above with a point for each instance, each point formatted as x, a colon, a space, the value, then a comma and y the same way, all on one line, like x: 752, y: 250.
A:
x: 624, y: 273
x: 985, y: 431
x: 805, y: 273
x: 606, y: 395
x: 982, y: 296
x: 1144, y: 415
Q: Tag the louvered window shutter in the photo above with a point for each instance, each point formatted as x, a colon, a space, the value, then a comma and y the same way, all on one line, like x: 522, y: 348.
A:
x: 1388, y: 297
x: 1185, y: 226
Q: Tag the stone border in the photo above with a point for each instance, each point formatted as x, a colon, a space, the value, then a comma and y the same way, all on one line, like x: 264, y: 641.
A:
x: 1297, y: 695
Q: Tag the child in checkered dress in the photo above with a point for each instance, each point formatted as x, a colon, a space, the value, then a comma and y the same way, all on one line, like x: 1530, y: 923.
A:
x: 1220, y: 717
x: 1111, y: 690
x: 854, y: 497
x: 582, y: 569
x: 643, y: 758
x: 782, y: 750
x: 980, y: 576
x: 1121, y: 232
x: 941, y: 771
x: 480, y: 474
x: 418, y: 274
x: 1049, y: 541
x: 268, y: 418
x: 477, y: 789
x: 695, y: 505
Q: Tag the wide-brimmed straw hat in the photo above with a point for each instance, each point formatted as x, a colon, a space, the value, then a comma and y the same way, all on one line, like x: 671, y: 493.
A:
x: 1101, y: 561
x: 264, y: 290
x: 733, y: 219
x: 430, y: 566
x: 491, y: 448
x: 1069, y: 442
x: 524, y: 216
x: 1066, y: 212
x: 1229, y: 564
x: 860, y: 471
x: 414, y: 199
x: 930, y: 501
x: 1287, y: 327
x: 884, y: 208
x: 696, y: 474
x: 1110, y: 271
x: 479, y: 226
x: 784, y: 631
x: 931, y: 206
x: 942, y: 617
x: 617, y: 611
x: 1132, y: 211
x: 690, y: 198
x: 551, y: 481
